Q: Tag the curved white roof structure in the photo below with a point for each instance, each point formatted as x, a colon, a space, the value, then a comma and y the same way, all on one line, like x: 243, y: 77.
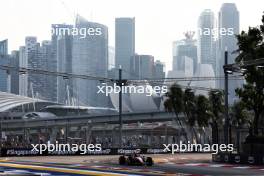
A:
x: 11, y: 101
x: 136, y: 102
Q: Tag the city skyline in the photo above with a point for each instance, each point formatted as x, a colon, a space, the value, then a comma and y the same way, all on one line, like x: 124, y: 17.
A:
x: 147, y: 42
x: 92, y: 52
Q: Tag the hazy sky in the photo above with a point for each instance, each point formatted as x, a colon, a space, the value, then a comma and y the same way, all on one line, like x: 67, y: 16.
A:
x: 158, y: 22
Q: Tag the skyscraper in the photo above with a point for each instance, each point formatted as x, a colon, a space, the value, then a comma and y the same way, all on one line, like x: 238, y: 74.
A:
x: 159, y: 70
x: 111, y: 57
x: 124, y: 43
x: 143, y: 66
x: 48, y: 59
x: 14, y: 80
x: 228, y: 20
x: 206, y: 36
x: 4, y: 60
x: 89, y: 57
x: 23, y: 78
x: 4, y: 47
x: 39, y: 57
x: 62, y: 49
x: 30, y: 62
x: 182, y: 49
x: 4, y: 79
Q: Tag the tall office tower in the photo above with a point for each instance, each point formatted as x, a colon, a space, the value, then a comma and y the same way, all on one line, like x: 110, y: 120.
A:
x: 90, y: 57
x: 62, y: 50
x: 159, y: 70
x: 143, y: 66
x: 49, y: 62
x: 124, y: 44
x: 4, y: 76
x: 206, y: 36
x: 186, y: 70
x: 112, y: 71
x: 182, y: 49
x: 35, y: 82
x: 14, y: 82
x: 111, y: 57
x: 4, y: 60
x: 38, y: 57
x: 27, y: 60
x: 23, y: 77
x: 229, y: 21
x: 4, y: 47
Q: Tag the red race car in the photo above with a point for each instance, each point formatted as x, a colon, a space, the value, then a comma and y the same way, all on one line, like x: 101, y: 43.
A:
x: 135, y: 160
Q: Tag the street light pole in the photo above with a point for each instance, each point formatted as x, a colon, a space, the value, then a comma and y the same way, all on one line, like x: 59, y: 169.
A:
x: 120, y: 107
x: 226, y: 100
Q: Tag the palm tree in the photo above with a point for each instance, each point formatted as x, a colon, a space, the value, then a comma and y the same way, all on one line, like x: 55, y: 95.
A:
x: 239, y: 115
x: 217, y: 108
x: 174, y: 103
x: 189, y: 106
x: 250, y: 49
x: 203, y: 111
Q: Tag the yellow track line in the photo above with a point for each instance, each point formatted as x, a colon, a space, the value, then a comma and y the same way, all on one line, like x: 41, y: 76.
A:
x: 65, y: 170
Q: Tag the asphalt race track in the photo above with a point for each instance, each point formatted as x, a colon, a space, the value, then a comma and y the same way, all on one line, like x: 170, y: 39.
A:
x: 183, y: 164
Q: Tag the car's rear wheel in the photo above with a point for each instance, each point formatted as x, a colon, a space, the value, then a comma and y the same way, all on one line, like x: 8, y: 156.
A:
x: 122, y: 160
x: 149, y: 161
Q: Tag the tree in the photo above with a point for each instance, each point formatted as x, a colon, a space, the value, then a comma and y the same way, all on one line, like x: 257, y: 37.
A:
x: 251, y: 48
x: 203, y: 111
x: 217, y: 108
x: 197, y: 110
x: 189, y: 106
x: 239, y: 115
x: 174, y: 103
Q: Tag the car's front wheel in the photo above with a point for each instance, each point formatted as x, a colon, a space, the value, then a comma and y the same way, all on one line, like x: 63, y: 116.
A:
x: 122, y: 160
x: 149, y: 161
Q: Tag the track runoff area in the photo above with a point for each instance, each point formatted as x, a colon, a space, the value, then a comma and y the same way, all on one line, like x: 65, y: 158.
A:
x: 192, y: 164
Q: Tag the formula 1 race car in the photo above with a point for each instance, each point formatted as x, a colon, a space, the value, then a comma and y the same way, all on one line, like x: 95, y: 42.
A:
x: 135, y: 160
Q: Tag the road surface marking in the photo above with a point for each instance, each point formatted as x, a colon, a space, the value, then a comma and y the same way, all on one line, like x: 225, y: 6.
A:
x: 64, y: 170
x: 242, y: 167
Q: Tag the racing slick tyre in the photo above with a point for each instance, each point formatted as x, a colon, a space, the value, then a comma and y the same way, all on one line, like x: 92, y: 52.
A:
x: 122, y: 160
x: 149, y: 161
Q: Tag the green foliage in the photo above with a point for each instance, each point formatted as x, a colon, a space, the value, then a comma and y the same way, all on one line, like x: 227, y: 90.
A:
x: 251, y: 48
x: 239, y: 114
x: 196, y: 108
x: 203, y: 111
x: 174, y: 101
x: 189, y: 105
x: 216, y: 99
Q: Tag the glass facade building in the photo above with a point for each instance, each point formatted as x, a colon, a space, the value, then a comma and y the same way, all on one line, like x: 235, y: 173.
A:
x: 124, y: 44
x: 228, y: 18
x: 206, y: 30
x: 90, y: 57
